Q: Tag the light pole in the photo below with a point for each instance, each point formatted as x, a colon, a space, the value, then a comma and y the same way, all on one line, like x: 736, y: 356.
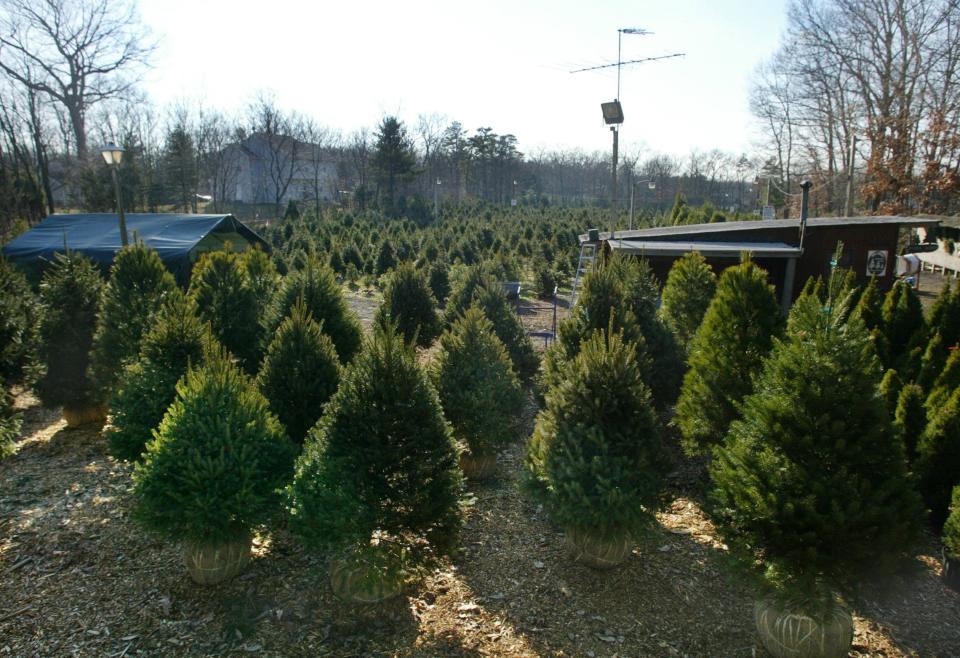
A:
x: 436, y: 200
x: 112, y: 155
x: 513, y: 201
x: 651, y: 184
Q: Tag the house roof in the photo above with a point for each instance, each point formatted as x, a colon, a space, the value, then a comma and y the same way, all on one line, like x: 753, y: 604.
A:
x: 97, y: 235
x: 707, y: 249
x: 752, y: 225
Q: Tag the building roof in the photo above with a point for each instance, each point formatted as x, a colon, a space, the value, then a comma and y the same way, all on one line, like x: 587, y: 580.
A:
x: 752, y: 225
x: 707, y: 249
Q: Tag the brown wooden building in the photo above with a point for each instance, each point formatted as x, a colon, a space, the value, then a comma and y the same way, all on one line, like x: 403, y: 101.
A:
x: 870, y: 246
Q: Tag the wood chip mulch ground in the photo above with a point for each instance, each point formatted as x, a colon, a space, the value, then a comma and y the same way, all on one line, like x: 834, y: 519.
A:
x: 78, y: 578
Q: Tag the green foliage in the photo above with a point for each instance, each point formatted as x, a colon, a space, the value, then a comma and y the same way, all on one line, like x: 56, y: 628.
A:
x: 227, y: 301
x: 70, y: 291
x: 890, y: 387
x: 544, y: 280
x: 933, y: 361
x: 686, y: 296
x: 139, y: 284
x: 386, y: 260
x: 736, y: 335
x: 440, y: 281
x: 9, y: 424
x: 261, y: 274
x: 147, y: 387
x: 945, y: 384
x: 407, y: 300
x: 381, y: 461
x: 300, y: 372
x: 938, y: 457
x: 19, y: 318
x: 910, y: 418
x: 903, y: 325
x: 493, y: 302
x: 595, y: 452
x: 479, y: 392
x: 215, y: 467
x: 951, y: 529
x: 318, y: 288
x: 812, y: 482
x: 394, y: 162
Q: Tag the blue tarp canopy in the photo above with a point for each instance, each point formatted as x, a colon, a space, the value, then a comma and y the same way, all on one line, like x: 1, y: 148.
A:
x: 178, y: 239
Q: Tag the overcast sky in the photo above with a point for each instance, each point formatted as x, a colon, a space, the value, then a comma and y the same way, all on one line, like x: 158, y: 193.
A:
x: 499, y: 63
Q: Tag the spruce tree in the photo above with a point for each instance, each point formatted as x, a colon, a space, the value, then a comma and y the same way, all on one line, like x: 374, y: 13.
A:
x: 261, y: 274
x: 904, y: 327
x: 945, y: 384
x: 506, y: 324
x: 408, y: 301
x: 9, y: 423
x: 933, y: 361
x: 300, y: 372
x: 318, y: 288
x: 386, y: 260
x: 479, y: 392
x: 944, y: 316
x: 890, y: 387
x: 951, y: 529
x: 70, y: 292
x: 138, y: 286
x: 381, y: 462
x: 938, y: 457
x: 214, y: 469
x: 736, y: 335
x: 910, y: 418
x: 147, y: 387
x: 227, y: 301
x: 870, y: 311
x: 440, y: 281
x: 19, y: 318
x: 812, y: 482
x: 686, y: 295
x: 595, y: 452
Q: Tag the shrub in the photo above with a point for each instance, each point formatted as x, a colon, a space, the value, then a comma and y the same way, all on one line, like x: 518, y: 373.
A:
x: 945, y: 384
x: 138, y: 286
x: 938, y: 457
x: 812, y: 482
x: 407, y: 300
x: 933, y: 361
x: 686, y: 296
x: 890, y: 387
x: 227, y: 301
x: 318, y: 288
x: 300, y: 372
x: 381, y: 461
x: 70, y: 290
x: 595, y: 449
x: 910, y: 418
x: 9, y: 423
x: 904, y: 327
x: 440, y: 281
x: 215, y: 467
x: 19, y: 318
x: 147, y: 387
x: 951, y: 529
x: 479, y: 392
x: 736, y: 334
x: 261, y: 274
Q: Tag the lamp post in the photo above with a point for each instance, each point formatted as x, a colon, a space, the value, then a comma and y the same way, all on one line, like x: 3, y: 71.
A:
x: 651, y: 184
x: 436, y: 200
x: 112, y: 155
x: 513, y: 201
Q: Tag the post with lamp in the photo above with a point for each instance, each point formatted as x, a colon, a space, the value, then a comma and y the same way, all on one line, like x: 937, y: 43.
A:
x: 436, y: 200
x: 651, y: 184
x: 113, y: 155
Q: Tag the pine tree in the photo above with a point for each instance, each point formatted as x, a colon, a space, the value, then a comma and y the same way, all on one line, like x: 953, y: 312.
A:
x: 727, y: 350
x: 479, y: 392
x: 686, y: 296
x: 139, y: 284
x: 227, y: 301
x: 19, y: 318
x: 381, y: 461
x: 951, y: 529
x: 300, y: 372
x: 318, y: 288
x: 70, y: 292
x: 890, y: 387
x: 9, y: 423
x: 813, y: 480
x: 386, y: 260
x: 440, y: 281
x: 933, y: 361
x: 870, y: 311
x: 944, y: 316
x: 945, y: 384
x: 261, y: 274
x: 904, y: 327
x: 595, y: 451
x: 213, y: 471
x: 147, y: 387
x: 938, y: 457
x: 408, y: 301
x: 464, y: 291
x: 910, y: 418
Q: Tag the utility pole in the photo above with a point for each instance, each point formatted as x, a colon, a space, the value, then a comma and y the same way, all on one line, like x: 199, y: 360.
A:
x: 848, y: 205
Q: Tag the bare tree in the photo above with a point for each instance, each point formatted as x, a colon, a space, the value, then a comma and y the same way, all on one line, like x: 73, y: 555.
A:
x: 277, y: 140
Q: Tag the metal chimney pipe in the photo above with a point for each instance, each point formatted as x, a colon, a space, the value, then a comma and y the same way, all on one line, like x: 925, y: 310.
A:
x: 804, y: 208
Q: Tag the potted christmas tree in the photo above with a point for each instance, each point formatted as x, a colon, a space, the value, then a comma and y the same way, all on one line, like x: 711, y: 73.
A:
x: 479, y: 391
x: 951, y: 543
x: 811, y: 484
x: 378, y: 482
x: 214, y: 470
x: 595, y: 452
x: 70, y: 292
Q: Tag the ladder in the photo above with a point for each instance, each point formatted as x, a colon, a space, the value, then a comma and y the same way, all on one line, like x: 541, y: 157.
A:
x: 588, y: 255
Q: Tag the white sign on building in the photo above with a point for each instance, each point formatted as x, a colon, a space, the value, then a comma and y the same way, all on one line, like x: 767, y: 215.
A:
x: 877, y: 262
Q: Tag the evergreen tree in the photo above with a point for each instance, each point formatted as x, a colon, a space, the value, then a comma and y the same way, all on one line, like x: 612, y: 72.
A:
x: 933, y: 361
x: 938, y: 457
x: 945, y: 384
x: 890, y: 387
x: 595, y: 451
x: 227, y: 301
x: 386, y: 260
x: 70, y: 291
x: 493, y: 302
x: 870, y: 311
x: 300, y: 372
x: 812, y: 482
x: 138, y: 285
x: 910, y: 418
x: 736, y: 335
x: 318, y: 288
x: 440, y: 281
x: 951, y: 529
x: 686, y: 296
x: 903, y: 326
x: 394, y: 162
x: 9, y: 423
x: 944, y: 316
x: 147, y: 387
x: 381, y: 461
x: 408, y: 301
x: 261, y: 274
x: 479, y: 392
x: 19, y: 319
x: 212, y: 477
